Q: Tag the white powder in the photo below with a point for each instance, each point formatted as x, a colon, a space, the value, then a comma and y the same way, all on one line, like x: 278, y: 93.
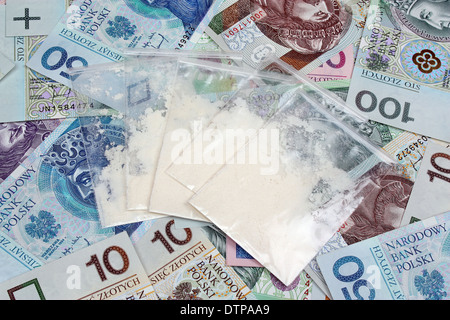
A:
x: 184, y: 108
x: 110, y: 192
x: 228, y: 131
x: 147, y: 80
x: 276, y: 218
x: 144, y: 144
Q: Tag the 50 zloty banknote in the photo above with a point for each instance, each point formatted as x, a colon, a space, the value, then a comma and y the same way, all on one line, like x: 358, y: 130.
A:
x: 409, y: 263
x: 95, y: 31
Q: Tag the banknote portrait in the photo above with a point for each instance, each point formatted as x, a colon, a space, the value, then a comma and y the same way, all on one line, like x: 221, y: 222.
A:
x: 65, y: 166
x: 190, y: 12
x: 429, y: 19
x: 18, y: 140
x: 15, y: 140
x: 382, y: 208
x: 306, y: 26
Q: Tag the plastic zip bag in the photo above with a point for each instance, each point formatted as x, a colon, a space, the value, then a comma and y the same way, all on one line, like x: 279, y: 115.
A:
x: 231, y: 128
x: 200, y: 90
x: 105, y: 136
x: 284, y: 218
x: 108, y: 156
x: 101, y: 84
x: 149, y: 75
x: 105, y: 150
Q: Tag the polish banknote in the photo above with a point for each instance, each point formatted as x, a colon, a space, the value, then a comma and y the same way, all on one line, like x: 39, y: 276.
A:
x: 19, y: 140
x: 96, y: 31
x: 432, y: 186
x: 237, y: 256
x: 264, y: 285
x: 15, y: 259
x: 338, y: 67
x: 401, y: 71
x: 182, y: 264
x: 408, y: 149
x: 268, y: 286
x: 47, y: 204
x: 257, y: 28
x: 107, y: 270
x: 27, y: 94
x: 409, y: 263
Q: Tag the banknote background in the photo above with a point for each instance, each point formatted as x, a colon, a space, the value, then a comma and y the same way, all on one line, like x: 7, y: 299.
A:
x: 48, y: 212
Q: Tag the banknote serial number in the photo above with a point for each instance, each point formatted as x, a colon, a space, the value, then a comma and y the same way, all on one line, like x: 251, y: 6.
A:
x: 187, y: 35
x: 409, y: 150
x: 79, y: 107
x: 244, y: 23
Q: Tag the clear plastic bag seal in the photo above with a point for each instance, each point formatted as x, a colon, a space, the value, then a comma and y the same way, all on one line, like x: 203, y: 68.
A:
x: 177, y: 54
x: 321, y: 171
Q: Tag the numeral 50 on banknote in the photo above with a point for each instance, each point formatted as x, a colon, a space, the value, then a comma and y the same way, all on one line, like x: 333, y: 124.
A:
x: 357, y: 284
x: 58, y: 54
x: 64, y: 59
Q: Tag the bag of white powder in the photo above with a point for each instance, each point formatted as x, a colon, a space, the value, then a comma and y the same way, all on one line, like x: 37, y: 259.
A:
x: 283, y: 216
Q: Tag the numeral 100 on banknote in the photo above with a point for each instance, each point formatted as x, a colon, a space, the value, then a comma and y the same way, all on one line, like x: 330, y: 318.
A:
x: 384, y: 106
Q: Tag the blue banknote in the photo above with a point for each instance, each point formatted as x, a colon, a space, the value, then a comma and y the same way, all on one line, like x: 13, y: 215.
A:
x: 96, y: 31
x: 408, y: 263
x: 47, y: 204
x: 15, y: 259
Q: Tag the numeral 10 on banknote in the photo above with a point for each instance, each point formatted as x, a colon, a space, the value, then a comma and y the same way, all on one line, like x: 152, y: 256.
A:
x: 433, y: 174
x: 94, y: 261
x: 384, y: 107
x: 159, y: 236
